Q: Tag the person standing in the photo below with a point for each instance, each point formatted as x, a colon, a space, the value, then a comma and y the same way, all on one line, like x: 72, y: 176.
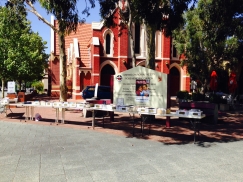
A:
x: 193, y: 86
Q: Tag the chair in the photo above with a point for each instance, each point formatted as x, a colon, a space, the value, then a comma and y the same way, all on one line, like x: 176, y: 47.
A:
x: 2, y: 108
x: 232, y: 100
x: 240, y: 99
x: 4, y: 105
x: 235, y: 101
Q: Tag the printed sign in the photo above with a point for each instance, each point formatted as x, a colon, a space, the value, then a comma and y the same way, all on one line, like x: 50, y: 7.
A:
x: 141, y: 86
x: 11, y: 87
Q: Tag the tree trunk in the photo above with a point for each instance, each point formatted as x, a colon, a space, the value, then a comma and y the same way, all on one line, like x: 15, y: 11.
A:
x: 150, y: 36
x: 63, y: 64
x: 19, y: 85
x: 131, y: 37
x: 2, y: 88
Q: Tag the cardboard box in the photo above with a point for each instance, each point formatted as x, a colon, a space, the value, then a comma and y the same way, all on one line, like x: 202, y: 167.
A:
x: 195, y: 113
x: 98, y: 106
x: 143, y: 110
x: 65, y: 104
x: 121, y: 108
x: 36, y: 103
x: 57, y: 104
x: 72, y: 104
x: 42, y: 103
x: 182, y: 112
x: 49, y: 104
x: 80, y: 105
x: 147, y: 110
x: 108, y: 107
x: 152, y: 110
x: 5, y: 101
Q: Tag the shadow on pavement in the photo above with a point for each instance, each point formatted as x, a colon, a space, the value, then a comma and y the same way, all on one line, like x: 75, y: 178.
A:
x: 229, y: 127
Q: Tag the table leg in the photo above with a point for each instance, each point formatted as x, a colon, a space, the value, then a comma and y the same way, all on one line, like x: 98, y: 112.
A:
x: 111, y: 116
x: 196, y: 129
x: 5, y: 110
x: 133, y: 120
x: 103, y: 118
x: 198, y: 125
x: 10, y: 109
x: 151, y: 120
x: 31, y: 113
x: 93, y: 119
x: 63, y: 115
x: 167, y: 122
x: 57, y: 115
x: 143, y: 119
x: 26, y: 113
x: 143, y: 122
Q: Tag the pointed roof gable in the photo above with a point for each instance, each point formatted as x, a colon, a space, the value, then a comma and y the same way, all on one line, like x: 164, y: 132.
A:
x: 83, y: 36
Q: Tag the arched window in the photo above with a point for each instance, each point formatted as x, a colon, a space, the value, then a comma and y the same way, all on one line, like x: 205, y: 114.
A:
x: 108, y: 44
x: 137, y: 38
x: 174, y: 51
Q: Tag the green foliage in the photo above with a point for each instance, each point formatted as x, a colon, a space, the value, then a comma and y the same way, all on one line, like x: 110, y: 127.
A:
x: 28, y: 84
x: 22, y: 55
x: 66, y: 13
x: 155, y: 14
x: 183, y: 94
x: 197, y: 97
x: 39, y: 86
x: 211, y: 35
x: 214, y: 98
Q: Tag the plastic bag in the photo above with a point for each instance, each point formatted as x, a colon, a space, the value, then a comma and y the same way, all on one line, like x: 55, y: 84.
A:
x: 38, y: 117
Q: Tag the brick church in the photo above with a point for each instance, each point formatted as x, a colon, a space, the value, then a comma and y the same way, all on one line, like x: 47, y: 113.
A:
x: 95, y: 53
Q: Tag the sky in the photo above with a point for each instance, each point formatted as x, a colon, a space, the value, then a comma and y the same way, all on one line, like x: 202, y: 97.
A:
x: 45, y: 31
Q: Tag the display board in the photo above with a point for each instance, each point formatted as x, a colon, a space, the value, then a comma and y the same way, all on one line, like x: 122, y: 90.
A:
x: 11, y: 87
x: 140, y: 86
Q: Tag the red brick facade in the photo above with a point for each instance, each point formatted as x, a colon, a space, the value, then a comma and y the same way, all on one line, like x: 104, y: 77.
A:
x: 88, y: 63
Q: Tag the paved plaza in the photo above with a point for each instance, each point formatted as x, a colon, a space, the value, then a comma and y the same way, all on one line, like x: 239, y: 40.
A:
x: 43, y: 151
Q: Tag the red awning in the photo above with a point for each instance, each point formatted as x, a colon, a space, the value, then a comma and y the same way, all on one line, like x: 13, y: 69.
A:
x: 214, y: 81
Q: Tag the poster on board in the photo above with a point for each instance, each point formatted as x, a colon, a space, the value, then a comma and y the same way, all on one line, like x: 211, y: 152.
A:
x: 141, y: 86
x: 142, y: 90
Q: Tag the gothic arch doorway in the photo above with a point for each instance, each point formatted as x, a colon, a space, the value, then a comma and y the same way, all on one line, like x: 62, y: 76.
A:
x: 174, y: 81
x: 107, y: 73
x: 106, y: 77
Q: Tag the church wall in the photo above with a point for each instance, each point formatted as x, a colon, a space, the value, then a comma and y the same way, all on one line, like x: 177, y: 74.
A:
x: 89, y: 72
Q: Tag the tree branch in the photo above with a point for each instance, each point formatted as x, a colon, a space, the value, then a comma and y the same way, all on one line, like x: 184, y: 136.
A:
x: 33, y: 10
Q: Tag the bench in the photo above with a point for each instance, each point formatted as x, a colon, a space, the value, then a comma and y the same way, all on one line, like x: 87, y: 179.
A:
x: 209, y: 109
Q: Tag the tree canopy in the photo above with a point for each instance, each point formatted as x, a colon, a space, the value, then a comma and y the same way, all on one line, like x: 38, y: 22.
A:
x: 22, y: 56
x: 66, y: 13
x: 164, y: 15
x: 211, y: 39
